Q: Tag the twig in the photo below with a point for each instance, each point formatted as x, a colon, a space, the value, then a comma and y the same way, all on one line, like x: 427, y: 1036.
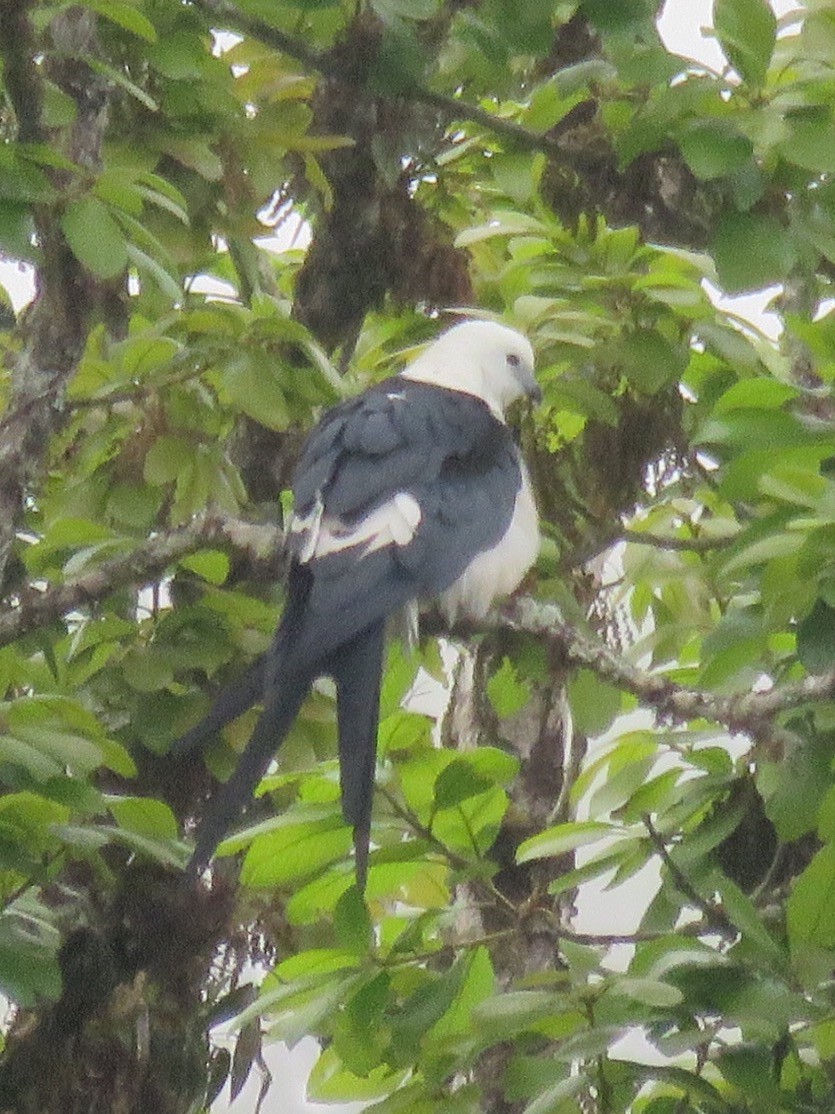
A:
x: 714, y: 916
x: 577, y: 558
x: 751, y: 713
x: 37, y: 878
x: 420, y: 829
x: 609, y: 939
x: 324, y: 63
x: 235, y: 19
x: 685, y: 545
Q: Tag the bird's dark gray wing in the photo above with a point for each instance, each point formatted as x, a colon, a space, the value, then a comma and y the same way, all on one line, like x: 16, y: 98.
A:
x: 436, y: 450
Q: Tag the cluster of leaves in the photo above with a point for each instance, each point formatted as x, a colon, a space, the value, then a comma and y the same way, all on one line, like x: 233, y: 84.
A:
x: 690, y: 449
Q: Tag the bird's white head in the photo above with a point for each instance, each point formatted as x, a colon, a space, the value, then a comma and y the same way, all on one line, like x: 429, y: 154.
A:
x: 481, y: 358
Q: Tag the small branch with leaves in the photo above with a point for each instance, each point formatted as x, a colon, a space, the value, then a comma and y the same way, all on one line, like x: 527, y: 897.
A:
x: 750, y: 713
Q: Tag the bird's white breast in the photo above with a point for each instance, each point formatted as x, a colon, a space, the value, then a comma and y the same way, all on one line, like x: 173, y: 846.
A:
x: 497, y: 572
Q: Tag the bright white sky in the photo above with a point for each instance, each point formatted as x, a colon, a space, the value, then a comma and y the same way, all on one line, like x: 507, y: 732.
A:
x: 682, y: 25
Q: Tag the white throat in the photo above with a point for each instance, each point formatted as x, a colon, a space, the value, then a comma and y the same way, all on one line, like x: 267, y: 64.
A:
x: 426, y: 369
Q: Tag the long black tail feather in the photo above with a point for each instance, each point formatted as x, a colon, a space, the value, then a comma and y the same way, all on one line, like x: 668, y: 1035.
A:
x: 282, y: 707
x: 357, y: 668
x: 230, y: 703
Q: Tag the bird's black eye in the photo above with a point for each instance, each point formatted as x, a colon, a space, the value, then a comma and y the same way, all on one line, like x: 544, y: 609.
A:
x: 513, y: 360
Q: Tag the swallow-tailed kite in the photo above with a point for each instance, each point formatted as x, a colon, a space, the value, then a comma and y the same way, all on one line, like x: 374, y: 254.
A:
x: 415, y: 489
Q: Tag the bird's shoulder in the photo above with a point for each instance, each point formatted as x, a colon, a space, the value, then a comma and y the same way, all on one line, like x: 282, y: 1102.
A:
x: 393, y: 432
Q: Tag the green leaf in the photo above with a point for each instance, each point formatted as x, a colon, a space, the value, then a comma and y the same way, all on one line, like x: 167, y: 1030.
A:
x: 133, y: 506
x: 564, y: 838
x: 506, y: 691
x: 811, y: 905
x: 210, y: 564
x: 20, y: 180
x: 119, y: 78
x: 144, y: 262
x: 59, y: 109
x: 125, y: 15
x: 816, y: 638
x: 615, y: 15
x: 16, y: 230
x: 757, y: 392
x: 478, y: 986
x: 514, y: 176
x: 517, y: 1010
x: 415, y: 10
x: 751, y: 250
x: 29, y: 968
x: 254, y: 387
x: 649, y: 992
x: 145, y: 816
x: 72, y: 750
x: 426, y: 1007
x: 554, y: 1099
x: 747, y: 31
x: 714, y: 149
x: 594, y: 704
x: 330, y: 1081
x: 650, y: 361
x: 795, y: 788
x: 811, y: 144
x: 352, y: 923
x: 316, y: 962
x: 745, y: 916
x: 458, y: 782
x: 504, y: 223
x: 95, y: 237
x: 629, y: 764
x: 295, y: 852
x: 750, y: 1070
x: 180, y: 56
x: 166, y: 459
x: 195, y: 153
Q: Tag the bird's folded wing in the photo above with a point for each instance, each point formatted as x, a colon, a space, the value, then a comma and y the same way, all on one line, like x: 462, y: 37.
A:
x: 396, y: 493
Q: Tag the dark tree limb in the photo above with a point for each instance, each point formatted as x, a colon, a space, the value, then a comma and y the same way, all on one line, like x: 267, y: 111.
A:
x: 58, y: 323
x: 750, y: 713
x: 142, y: 564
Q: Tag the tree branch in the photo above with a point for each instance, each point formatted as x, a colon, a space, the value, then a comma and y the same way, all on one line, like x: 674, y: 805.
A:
x: 683, y: 545
x: 20, y: 74
x: 231, y: 16
x: 577, y: 558
x: 323, y: 62
x: 58, y: 322
x: 146, y: 562
x: 751, y: 713
x: 714, y: 915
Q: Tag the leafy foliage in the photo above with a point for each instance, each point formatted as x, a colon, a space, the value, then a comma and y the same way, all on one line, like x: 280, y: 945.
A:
x: 551, y: 163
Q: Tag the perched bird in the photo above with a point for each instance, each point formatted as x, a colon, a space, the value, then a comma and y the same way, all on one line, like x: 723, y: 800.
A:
x: 415, y: 489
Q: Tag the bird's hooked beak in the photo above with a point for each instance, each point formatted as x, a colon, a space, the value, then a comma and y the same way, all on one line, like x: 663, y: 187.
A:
x: 527, y: 381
